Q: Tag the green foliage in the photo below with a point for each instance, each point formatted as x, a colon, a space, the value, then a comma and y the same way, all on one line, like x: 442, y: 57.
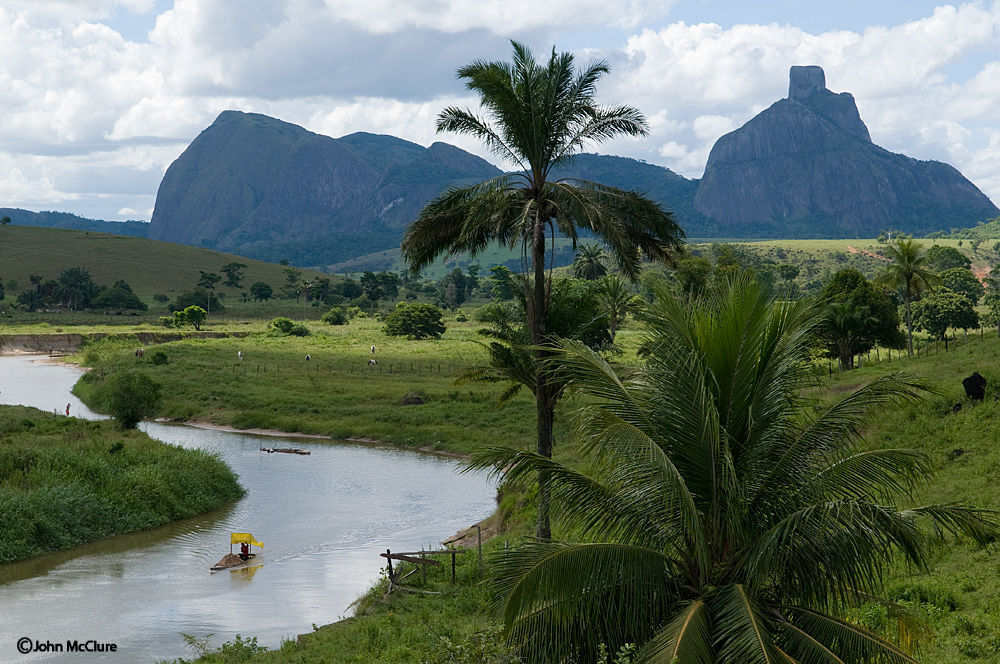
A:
x: 167, y: 321
x: 942, y: 257
x: 961, y: 280
x: 415, y: 321
x: 66, y: 481
x: 119, y: 297
x: 716, y: 508
x: 193, y: 315
x: 909, y: 271
x: 234, y: 273
x: 860, y: 317
x: 693, y: 273
x: 158, y: 357
x: 261, y: 291
x: 589, y: 263
x: 335, y: 316
x: 942, y: 310
x: 198, y: 298
x: 130, y: 396
x: 283, y: 327
x: 503, y: 288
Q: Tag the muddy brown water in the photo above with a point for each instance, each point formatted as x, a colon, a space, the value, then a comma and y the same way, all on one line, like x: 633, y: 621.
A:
x: 323, y: 520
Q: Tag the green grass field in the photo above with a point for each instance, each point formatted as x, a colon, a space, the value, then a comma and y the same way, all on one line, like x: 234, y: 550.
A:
x: 336, y: 392
x: 148, y: 266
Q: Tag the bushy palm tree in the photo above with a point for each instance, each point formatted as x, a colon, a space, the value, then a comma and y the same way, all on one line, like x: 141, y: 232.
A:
x: 589, y: 263
x: 721, y: 522
x: 537, y: 117
x: 616, y: 299
x: 908, y: 271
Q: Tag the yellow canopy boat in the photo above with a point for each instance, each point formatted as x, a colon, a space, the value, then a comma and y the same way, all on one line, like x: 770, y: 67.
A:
x: 231, y: 559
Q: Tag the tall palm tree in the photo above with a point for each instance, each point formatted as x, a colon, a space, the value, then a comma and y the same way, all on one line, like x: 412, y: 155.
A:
x: 536, y: 118
x: 589, y: 263
x: 722, y: 522
x: 909, y: 272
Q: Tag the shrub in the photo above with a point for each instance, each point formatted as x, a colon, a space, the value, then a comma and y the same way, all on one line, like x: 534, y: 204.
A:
x: 284, y: 327
x: 415, y: 321
x: 165, y: 321
x: 158, y: 357
x: 460, y: 317
x: 130, y: 396
x: 280, y: 326
x: 335, y: 316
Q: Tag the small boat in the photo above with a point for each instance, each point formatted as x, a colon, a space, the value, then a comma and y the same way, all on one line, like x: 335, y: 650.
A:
x: 231, y: 560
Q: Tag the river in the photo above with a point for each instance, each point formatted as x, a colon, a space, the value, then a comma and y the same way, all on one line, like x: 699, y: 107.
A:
x: 323, y: 520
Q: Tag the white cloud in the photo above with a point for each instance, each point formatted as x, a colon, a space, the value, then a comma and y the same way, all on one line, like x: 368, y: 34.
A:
x: 88, y: 112
x: 510, y: 17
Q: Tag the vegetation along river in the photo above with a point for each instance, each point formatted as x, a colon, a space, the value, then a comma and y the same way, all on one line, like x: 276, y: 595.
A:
x: 323, y: 519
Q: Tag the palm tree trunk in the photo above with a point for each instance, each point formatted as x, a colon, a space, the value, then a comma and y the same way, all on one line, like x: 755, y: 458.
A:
x: 543, y: 404
x: 909, y: 319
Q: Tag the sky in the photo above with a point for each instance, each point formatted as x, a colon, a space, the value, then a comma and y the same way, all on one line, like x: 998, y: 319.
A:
x: 98, y: 97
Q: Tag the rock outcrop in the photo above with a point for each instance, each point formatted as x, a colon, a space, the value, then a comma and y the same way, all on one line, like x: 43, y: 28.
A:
x: 256, y: 186
x: 807, y: 167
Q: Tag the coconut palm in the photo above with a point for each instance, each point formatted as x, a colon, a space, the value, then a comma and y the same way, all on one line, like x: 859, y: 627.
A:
x: 589, y: 263
x: 536, y: 118
x: 721, y: 522
x: 616, y: 299
x: 909, y: 272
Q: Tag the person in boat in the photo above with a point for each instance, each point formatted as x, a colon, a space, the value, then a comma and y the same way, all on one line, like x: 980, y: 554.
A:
x: 244, y: 551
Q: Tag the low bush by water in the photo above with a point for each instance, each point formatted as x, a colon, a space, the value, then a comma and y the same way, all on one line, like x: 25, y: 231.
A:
x: 66, y: 481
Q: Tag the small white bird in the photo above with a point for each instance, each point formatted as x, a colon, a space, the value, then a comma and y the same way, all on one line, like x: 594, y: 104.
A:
x: 240, y: 353
x: 373, y: 350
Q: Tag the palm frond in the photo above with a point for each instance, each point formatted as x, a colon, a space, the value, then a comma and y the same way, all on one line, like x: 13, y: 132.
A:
x: 686, y: 638
x: 978, y: 525
x: 852, y: 643
x: 581, y: 595
x: 743, y: 633
x: 467, y: 219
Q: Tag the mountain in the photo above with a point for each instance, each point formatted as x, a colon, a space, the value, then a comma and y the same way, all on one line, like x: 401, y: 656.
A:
x: 259, y: 187
x: 19, y: 217
x: 806, y: 167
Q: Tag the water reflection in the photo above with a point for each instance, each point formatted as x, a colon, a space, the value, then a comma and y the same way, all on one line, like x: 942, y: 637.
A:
x: 323, y: 519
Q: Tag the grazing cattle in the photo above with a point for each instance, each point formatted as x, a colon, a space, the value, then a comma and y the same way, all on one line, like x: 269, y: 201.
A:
x: 240, y: 354
x: 373, y: 350
x: 140, y: 352
x: 372, y: 362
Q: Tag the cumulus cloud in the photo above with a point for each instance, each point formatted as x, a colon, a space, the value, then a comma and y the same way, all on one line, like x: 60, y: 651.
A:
x: 92, y: 115
x: 512, y: 16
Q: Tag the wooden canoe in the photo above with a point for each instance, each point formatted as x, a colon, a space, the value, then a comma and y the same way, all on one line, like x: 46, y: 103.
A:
x: 224, y: 564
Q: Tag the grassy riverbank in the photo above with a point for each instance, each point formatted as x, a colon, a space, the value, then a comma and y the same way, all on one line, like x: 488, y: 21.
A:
x: 66, y: 481
x: 335, y: 392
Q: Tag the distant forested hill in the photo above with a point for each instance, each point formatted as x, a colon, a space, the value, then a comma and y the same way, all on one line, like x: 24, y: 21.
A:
x: 21, y: 217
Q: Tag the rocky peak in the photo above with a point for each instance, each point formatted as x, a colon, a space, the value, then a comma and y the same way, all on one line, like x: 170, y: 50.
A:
x: 804, y: 81
x: 807, y: 165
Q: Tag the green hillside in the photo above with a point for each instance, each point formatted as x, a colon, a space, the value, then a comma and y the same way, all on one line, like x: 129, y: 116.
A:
x: 149, y: 266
